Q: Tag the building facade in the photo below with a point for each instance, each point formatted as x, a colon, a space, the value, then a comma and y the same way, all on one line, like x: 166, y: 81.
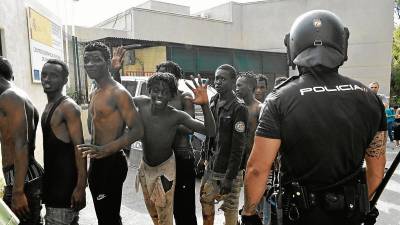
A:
x: 262, y: 26
x: 15, y: 47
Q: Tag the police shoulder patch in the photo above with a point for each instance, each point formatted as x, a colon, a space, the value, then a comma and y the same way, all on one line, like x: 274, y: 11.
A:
x: 240, y: 126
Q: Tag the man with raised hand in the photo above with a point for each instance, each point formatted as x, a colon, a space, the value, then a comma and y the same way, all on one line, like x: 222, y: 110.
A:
x: 157, y: 171
x: 112, y: 110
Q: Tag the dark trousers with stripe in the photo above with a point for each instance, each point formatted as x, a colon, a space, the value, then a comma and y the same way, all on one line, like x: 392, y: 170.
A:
x: 32, y: 192
x: 106, y: 178
x: 184, y: 197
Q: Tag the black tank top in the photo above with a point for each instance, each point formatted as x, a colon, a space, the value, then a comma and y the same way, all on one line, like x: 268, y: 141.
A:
x: 60, y: 172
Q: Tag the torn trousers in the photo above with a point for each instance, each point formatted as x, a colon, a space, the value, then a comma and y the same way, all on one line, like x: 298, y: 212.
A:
x: 209, y: 196
x: 158, y: 186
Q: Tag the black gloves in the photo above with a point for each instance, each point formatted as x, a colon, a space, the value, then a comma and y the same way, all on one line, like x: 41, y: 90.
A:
x: 250, y: 220
x: 370, y: 218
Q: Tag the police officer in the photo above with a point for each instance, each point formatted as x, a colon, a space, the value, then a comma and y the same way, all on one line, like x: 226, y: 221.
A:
x: 323, y: 125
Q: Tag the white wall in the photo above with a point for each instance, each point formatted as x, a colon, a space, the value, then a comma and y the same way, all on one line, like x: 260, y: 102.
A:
x: 166, y: 7
x: 221, y: 12
x: 93, y: 33
x: 157, y: 26
x: 121, y: 21
x: 13, y: 22
x: 266, y: 23
x: 370, y: 23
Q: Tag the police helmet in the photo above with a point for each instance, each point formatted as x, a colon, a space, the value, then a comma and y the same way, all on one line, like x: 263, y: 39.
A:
x: 317, y: 37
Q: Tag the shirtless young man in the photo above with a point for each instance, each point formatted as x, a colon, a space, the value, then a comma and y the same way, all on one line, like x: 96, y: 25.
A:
x: 161, y: 122
x: 262, y: 87
x: 64, y: 180
x: 23, y: 175
x: 112, y: 110
x: 245, y: 87
x: 185, y: 196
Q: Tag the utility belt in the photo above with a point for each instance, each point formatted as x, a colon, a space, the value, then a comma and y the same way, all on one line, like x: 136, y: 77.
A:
x: 350, y: 198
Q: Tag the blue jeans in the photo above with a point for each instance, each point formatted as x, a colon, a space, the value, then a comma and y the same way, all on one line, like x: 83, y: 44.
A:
x: 32, y: 192
x: 61, y: 216
x: 266, y: 211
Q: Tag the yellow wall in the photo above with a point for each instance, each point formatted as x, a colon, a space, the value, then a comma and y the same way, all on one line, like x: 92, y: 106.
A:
x: 40, y: 28
x: 146, y: 59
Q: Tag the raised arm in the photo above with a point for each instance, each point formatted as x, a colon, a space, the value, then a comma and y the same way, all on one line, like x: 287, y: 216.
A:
x: 117, y: 62
x: 72, y: 116
x: 201, y: 98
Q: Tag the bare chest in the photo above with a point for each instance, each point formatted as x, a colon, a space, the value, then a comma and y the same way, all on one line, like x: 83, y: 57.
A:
x: 161, y: 123
x: 102, y: 105
x: 254, y: 112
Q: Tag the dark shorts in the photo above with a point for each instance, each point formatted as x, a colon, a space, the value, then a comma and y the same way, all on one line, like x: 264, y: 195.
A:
x: 32, y: 191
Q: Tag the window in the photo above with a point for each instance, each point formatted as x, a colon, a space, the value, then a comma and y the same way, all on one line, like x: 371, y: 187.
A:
x: 143, y: 90
x: 130, y: 86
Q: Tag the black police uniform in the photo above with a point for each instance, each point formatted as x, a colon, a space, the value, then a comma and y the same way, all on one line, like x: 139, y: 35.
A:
x: 325, y: 123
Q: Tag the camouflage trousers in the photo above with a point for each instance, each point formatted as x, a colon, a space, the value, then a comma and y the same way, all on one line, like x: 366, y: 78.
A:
x: 209, y: 196
x: 158, y: 186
